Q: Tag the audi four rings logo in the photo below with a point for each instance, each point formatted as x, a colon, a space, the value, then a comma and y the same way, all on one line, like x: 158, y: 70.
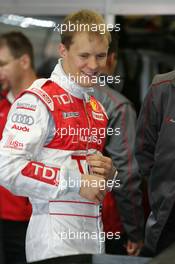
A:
x: 23, y: 119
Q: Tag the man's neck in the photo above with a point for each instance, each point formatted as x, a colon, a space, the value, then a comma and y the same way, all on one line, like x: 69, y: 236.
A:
x: 24, y: 83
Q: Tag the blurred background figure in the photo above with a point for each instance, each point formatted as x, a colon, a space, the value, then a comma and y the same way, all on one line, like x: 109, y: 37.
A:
x: 16, y: 74
x: 155, y: 154
x: 1, y: 246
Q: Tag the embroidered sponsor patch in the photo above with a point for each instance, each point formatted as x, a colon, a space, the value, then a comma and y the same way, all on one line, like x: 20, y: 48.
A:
x: 94, y: 104
x: 90, y: 139
x: 20, y: 128
x: 22, y: 119
x: 41, y: 172
x: 14, y: 144
x: 98, y: 116
x: 43, y: 95
x: 64, y: 99
x: 26, y: 106
x: 70, y: 114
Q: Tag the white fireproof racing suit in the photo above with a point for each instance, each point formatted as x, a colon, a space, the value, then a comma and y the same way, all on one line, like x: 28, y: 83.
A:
x: 41, y: 161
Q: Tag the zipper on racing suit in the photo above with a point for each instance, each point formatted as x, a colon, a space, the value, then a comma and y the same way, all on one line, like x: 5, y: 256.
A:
x: 85, y: 100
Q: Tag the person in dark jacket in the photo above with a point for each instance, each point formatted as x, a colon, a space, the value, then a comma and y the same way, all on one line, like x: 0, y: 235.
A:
x: 122, y: 208
x: 155, y: 144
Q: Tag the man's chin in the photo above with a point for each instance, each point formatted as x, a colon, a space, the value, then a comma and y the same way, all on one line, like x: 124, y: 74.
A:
x: 86, y: 85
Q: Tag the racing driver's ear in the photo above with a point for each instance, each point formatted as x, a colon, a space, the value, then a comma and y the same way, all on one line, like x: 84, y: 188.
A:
x: 62, y: 50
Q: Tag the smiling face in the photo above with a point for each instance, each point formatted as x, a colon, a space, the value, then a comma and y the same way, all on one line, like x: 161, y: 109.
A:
x: 85, y: 58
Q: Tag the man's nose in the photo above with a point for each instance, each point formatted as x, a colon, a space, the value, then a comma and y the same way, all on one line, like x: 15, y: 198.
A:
x: 92, y: 63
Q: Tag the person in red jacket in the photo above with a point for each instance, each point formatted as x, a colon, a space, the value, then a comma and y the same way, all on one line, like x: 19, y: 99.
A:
x: 16, y: 74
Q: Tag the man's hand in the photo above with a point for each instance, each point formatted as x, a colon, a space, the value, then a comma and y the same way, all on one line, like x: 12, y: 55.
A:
x: 101, y: 165
x: 93, y: 188
x: 133, y: 248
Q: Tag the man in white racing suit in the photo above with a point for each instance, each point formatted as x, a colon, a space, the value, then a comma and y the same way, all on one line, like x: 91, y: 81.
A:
x: 50, y: 149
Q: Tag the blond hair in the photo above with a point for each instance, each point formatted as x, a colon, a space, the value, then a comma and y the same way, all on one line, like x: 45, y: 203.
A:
x: 84, y: 21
